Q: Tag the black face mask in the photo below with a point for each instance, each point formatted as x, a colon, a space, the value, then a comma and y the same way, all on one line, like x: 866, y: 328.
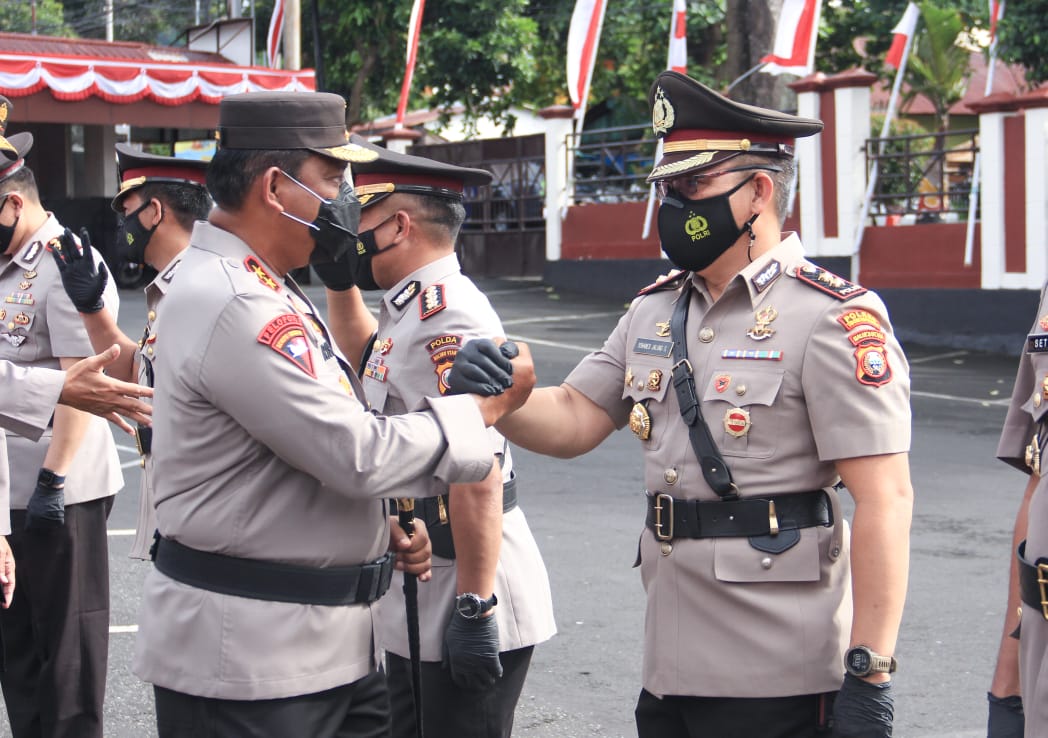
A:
x: 7, y: 233
x: 132, y: 237
x: 360, y: 257
x: 694, y: 233
x: 334, y: 230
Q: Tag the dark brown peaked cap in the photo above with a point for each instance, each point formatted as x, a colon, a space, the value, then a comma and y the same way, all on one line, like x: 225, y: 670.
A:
x: 391, y: 172
x: 138, y: 168
x: 701, y: 128
x: 315, y: 121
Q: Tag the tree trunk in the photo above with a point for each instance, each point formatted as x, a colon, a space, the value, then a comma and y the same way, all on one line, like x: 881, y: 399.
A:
x: 751, y: 35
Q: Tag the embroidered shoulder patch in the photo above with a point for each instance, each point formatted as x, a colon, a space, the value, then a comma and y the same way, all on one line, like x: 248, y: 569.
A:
x: 169, y: 273
x: 442, y: 352
x: 665, y: 282
x: 403, y: 297
x: 286, y: 335
x: 431, y: 301
x: 828, y: 282
x: 254, y: 266
x: 34, y: 250
x: 763, y: 279
x: 871, y: 365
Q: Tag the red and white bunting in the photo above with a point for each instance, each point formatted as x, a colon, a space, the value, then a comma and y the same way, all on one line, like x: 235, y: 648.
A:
x: 276, y: 32
x: 996, y: 13
x: 414, y: 28
x: 902, y: 33
x: 795, y: 37
x: 583, y: 39
x: 678, y: 56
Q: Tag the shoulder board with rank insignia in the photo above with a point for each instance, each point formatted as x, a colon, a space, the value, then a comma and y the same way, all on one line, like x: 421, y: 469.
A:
x: 403, y: 297
x: 431, y: 301
x: 763, y: 279
x: 828, y: 282
x: 169, y: 273
x: 665, y: 282
x: 255, y: 267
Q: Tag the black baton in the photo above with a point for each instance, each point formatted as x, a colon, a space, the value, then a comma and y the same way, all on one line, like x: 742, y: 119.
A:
x: 406, y: 518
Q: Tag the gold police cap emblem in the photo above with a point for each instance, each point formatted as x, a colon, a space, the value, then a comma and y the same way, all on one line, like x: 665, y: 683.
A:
x: 640, y: 422
x: 662, y: 113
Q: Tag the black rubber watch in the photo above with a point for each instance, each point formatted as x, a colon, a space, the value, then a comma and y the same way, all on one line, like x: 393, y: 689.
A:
x: 861, y: 661
x: 47, y: 478
x: 472, y: 606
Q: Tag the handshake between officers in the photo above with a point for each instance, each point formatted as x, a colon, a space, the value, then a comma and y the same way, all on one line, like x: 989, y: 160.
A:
x: 274, y: 538
x: 755, y: 382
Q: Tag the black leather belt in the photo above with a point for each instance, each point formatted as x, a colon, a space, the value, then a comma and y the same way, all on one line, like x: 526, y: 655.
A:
x: 669, y: 517
x: 434, y: 511
x: 144, y: 440
x: 1033, y: 581
x: 274, y: 581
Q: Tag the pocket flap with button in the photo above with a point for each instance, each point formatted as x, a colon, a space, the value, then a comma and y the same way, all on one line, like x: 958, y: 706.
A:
x: 745, y: 387
x: 648, y: 379
x: 735, y: 560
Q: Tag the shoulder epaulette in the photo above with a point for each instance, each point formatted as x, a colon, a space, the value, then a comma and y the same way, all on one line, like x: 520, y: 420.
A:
x: 828, y: 282
x: 431, y: 301
x: 665, y: 282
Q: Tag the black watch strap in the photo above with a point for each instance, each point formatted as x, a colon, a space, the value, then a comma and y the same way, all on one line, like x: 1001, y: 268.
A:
x: 47, y: 478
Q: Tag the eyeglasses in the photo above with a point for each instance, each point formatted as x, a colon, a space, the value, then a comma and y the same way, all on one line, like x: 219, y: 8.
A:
x: 689, y: 185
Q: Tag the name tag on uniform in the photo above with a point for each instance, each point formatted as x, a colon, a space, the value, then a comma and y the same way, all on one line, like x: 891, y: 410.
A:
x: 652, y: 347
x: 1037, y: 343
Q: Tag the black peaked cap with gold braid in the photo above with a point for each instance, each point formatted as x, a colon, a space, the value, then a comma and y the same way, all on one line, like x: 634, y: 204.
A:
x: 13, y: 149
x: 701, y: 128
x: 138, y: 168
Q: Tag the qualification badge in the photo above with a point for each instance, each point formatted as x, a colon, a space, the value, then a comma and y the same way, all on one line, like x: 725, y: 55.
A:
x: 1044, y: 387
x: 737, y: 422
x: 654, y: 380
x: 629, y: 377
x: 640, y: 422
x: 761, y: 330
x: 1033, y: 453
x: 662, y: 328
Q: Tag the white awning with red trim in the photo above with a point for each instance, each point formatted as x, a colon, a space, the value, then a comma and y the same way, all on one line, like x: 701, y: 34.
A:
x: 177, y: 80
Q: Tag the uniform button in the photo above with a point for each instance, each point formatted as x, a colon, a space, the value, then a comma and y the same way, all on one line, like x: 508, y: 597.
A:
x: 706, y: 334
x: 670, y: 475
x: 149, y: 350
x: 667, y: 548
x: 152, y: 315
x: 740, y: 390
x: 10, y: 326
x: 142, y: 462
x: 640, y: 385
x: 766, y: 562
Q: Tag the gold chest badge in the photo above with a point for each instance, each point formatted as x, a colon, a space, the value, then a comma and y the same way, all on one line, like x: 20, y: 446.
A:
x: 640, y: 422
x: 761, y: 330
x: 737, y: 422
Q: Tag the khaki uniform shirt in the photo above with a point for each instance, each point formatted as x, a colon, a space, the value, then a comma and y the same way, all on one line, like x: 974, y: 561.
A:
x: 423, y: 321
x: 155, y: 291
x: 263, y: 450
x: 1026, y: 416
x: 790, y: 377
x: 39, y: 325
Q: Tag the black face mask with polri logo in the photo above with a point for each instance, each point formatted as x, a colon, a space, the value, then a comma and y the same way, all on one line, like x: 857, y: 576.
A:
x: 695, y: 233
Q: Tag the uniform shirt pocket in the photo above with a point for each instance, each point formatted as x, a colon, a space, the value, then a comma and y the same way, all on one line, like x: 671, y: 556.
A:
x: 735, y: 560
x: 16, y: 332
x: 739, y: 408
x: 646, y: 383
x: 1037, y: 403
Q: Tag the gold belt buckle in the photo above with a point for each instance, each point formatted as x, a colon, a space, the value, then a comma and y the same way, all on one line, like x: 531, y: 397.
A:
x: 773, y: 519
x: 659, y: 524
x: 138, y: 442
x: 1042, y: 580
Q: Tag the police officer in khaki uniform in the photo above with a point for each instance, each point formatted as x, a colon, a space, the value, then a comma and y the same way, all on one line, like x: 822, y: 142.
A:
x: 269, y: 468
x: 1023, y: 446
x: 159, y: 199
x: 57, y: 631
x: 489, y: 600
x: 784, y: 379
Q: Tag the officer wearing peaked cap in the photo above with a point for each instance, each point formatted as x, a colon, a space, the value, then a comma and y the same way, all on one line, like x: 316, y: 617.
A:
x: 754, y: 382
x: 489, y: 600
x: 62, y: 483
x: 269, y: 467
x: 159, y: 199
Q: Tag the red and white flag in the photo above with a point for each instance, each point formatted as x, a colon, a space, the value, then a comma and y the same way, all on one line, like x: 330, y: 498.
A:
x: 414, y: 26
x: 795, y: 37
x: 996, y: 13
x: 678, y: 56
x: 583, y: 39
x: 276, y: 32
x: 903, y: 32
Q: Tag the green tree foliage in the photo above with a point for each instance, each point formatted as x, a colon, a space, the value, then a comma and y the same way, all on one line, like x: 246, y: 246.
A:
x: 939, y: 67
x: 1023, y: 37
x: 160, y: 22
x: 17, y: 17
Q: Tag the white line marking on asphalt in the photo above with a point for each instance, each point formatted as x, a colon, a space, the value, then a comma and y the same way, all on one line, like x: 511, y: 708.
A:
x: 553, y: 344
x: 123, y: 629
x: 936, y: 357
x: 131, y: 464
x: 559, y: 318
x: 536, y: 288
x: 120, y: 532
x: 970, y: 400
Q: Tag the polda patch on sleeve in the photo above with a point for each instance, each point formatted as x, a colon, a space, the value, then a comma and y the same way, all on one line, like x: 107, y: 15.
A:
x: 286, y: 335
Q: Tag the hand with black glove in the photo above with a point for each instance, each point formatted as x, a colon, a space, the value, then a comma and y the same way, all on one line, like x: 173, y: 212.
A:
x: 471, y: 650
x: 83, y: 282
x: 1006, y: 718
x: 863, y: 710
x: 46, y: 508
x: 337, y: 276
x: 482, y: 368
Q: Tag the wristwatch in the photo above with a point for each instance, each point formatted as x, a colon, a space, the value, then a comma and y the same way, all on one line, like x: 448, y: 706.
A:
x: 472, y: 606
x: 47, y: 478
x: 861, y: 661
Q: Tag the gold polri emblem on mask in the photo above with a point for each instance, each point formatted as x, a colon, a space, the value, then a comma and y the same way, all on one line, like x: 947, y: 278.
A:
x: 697, y: 227
x: 640, y: 422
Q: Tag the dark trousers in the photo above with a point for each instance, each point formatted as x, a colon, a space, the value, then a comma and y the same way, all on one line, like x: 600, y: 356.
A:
x: 448, y: 710
x: 357, y: 710
x: 805, y: 716
x: 56, y: 632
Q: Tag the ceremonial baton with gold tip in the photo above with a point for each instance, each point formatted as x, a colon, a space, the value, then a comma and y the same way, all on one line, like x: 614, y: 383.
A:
x: 406, y: 518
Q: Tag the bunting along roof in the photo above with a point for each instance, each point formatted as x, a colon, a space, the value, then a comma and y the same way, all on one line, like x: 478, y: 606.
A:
x: 125, y: 72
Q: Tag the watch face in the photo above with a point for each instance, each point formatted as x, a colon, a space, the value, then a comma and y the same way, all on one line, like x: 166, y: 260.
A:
x: 859, y: 661
x: 468, y: 607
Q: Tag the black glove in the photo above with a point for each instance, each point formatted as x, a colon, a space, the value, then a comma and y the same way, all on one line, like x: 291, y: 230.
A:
x: 46, y: 508
x: 482, y: 368
x: 471, y: 650
x: 863, y: 710
x: 1006, y: 719
x: 82, y: 281
x: 337, y: 276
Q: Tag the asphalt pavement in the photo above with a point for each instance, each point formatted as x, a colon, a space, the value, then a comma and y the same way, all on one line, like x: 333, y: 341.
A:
x: 587, y: 513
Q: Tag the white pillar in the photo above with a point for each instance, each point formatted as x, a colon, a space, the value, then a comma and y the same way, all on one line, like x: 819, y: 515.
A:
x: 853, y: 128
x: 100, y: 172
x: 1036, y: 197
x: 558, y: 129
x: 809, y: 177
x: 991, y: 189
